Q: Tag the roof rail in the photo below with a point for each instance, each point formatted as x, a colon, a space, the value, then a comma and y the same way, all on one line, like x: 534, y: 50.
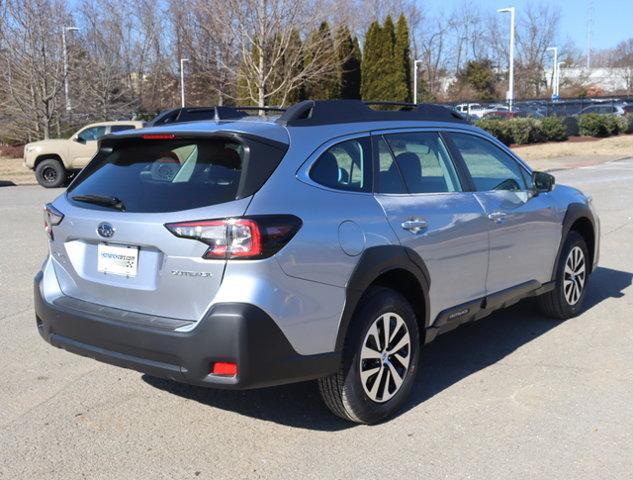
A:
x: 325, y: 112
x: 217, y: 113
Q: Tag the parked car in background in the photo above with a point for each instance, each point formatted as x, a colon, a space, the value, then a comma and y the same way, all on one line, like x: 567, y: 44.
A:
x: 473, y: 109
x: 607, y: 109
x: 501, y: 114
x: 56, y: 160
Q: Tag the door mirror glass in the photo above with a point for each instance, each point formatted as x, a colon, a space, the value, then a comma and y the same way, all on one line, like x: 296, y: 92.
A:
x: 543, y: 182
x: 78, y: 139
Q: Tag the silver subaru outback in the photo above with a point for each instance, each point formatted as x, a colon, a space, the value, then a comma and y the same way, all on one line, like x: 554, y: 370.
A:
x: 329, y: 242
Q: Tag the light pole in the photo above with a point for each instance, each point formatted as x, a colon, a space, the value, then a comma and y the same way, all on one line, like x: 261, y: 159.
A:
x: 65, y: 53
x: 558, y: 78
x: 182, y: 81
x: 510, y: 94
x: 415, y: 80
x: 554, y: 70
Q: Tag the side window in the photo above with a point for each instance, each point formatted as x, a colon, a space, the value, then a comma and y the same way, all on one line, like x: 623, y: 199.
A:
x: 389, y: 177
x: 489, y: 166
x: 120, y: 128
x: 92, y: 133
x: 345, y: 166
x: 424, y: 162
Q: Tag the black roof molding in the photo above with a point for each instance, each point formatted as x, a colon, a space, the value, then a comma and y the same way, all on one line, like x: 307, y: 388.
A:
x: 325, y: 112
x: 217, y: 113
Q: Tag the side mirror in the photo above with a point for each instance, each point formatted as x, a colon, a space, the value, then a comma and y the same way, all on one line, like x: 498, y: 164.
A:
x: 543, y: 182
x: 78, y: 139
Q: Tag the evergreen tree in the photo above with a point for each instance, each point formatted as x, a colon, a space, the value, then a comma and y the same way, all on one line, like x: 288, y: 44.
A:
x: 350, y: 61
x: 378, y: 73
x: 320, y: 49
x: 402, y: 55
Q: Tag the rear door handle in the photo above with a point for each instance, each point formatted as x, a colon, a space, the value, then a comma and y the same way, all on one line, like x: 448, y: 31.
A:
x: 415, y: 225
x: 497, y: 217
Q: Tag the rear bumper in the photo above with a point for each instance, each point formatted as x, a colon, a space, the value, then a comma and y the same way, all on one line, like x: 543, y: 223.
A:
x: 231, y: 332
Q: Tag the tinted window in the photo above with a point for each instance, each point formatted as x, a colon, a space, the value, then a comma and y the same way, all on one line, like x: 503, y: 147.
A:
x: 163, y: 176
x: 490, y: 167
x: 424, y: 162
x: 92, y: 133
x: 120, y: 128
x: 345, y: 166
x: 389, y: 177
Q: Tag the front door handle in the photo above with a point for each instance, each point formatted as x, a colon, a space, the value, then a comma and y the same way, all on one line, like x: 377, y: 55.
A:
x: 497, y: 217
x: 414, y: 225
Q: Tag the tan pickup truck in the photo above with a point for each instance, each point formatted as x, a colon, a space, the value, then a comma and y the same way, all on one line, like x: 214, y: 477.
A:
x: 56, y: 160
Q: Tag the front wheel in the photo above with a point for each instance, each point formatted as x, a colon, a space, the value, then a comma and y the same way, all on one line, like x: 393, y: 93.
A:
x: 572, y: 274
x: 380, y: 359
x: 50, y: 173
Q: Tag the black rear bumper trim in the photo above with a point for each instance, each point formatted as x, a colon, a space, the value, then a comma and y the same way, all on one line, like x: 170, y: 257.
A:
x: 230, y: 332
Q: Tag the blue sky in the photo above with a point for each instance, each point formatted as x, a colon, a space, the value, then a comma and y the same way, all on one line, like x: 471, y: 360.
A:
x: 612, y: 19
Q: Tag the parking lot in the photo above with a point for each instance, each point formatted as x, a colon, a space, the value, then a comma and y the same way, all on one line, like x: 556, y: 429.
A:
x: 511, y: 396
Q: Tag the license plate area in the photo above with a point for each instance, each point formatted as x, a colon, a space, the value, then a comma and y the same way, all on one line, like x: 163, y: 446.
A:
x: 121, y: 260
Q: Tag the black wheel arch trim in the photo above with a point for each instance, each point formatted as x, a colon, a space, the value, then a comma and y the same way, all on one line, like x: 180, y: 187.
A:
x: 575, y: 211
x: 374, y: 262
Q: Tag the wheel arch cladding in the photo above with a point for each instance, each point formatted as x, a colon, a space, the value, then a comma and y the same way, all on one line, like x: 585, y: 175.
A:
x: 579, y: 219
x: 390, y: 266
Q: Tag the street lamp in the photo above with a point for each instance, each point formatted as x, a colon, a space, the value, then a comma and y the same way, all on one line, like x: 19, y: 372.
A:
x: 558, y: 78
x: 554, y: 71
x: 182, y: 81
x: 65, y: 53
x: 510, y: 94
x: 415, y: 80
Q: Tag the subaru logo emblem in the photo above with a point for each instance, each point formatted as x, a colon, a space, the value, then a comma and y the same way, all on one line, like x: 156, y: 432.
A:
x: 105, y: 230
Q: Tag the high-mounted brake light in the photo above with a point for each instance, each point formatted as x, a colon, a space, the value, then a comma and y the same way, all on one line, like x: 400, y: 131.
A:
x: 52, y: 217
x: 240, y: 238
x: 158, y: 136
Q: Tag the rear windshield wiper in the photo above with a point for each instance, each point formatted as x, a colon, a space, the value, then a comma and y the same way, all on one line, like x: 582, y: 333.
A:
x: 112, y: 202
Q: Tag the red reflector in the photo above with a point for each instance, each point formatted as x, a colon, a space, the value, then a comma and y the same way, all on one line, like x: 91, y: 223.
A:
x: 159, y: 136
x: 225, y: 368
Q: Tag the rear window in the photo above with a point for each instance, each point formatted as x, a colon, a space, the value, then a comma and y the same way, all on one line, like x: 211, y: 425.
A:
x: 164, y: 176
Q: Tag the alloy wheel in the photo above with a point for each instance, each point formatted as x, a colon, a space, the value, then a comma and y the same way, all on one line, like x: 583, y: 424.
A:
x: 575, y: 275
x: 385, y: 357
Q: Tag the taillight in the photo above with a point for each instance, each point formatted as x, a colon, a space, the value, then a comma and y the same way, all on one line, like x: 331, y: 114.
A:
x: 240, y: 238
x: 52, y: 217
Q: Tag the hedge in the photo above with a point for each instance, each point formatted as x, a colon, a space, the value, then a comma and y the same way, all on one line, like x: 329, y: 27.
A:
x: 595, y: 125
x: 522, y: 131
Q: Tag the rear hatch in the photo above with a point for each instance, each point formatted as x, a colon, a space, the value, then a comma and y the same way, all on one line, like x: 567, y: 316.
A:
x: 112, y: 247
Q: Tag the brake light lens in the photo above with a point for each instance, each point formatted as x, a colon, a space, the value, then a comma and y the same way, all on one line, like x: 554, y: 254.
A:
x: 240, y: 238
x: 158, y: 136
x: 52, y: 217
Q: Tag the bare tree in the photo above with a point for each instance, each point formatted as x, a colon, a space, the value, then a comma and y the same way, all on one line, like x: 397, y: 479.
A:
x: 624, y: 56
x: 102, y: 70
x: 270, y: 66
x: 32, y: 64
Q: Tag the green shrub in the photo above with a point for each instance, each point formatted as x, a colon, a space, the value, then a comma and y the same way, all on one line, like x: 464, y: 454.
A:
x: 594, y: 125
x: 497, y: 128
x: 554, y: 129
x: 625, y: 122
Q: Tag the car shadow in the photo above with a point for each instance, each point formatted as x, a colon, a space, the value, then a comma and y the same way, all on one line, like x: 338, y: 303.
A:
x: 449, y: 359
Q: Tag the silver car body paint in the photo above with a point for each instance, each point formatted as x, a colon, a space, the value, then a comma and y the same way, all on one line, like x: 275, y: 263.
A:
x: 303, y: 286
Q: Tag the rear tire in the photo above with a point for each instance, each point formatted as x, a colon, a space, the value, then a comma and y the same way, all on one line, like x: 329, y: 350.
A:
x: 572, y: 275
x: 380, y: 360
x: 50, y: 173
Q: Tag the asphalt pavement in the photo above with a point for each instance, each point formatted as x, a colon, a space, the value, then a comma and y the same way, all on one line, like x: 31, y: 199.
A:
x: 511, y: 396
